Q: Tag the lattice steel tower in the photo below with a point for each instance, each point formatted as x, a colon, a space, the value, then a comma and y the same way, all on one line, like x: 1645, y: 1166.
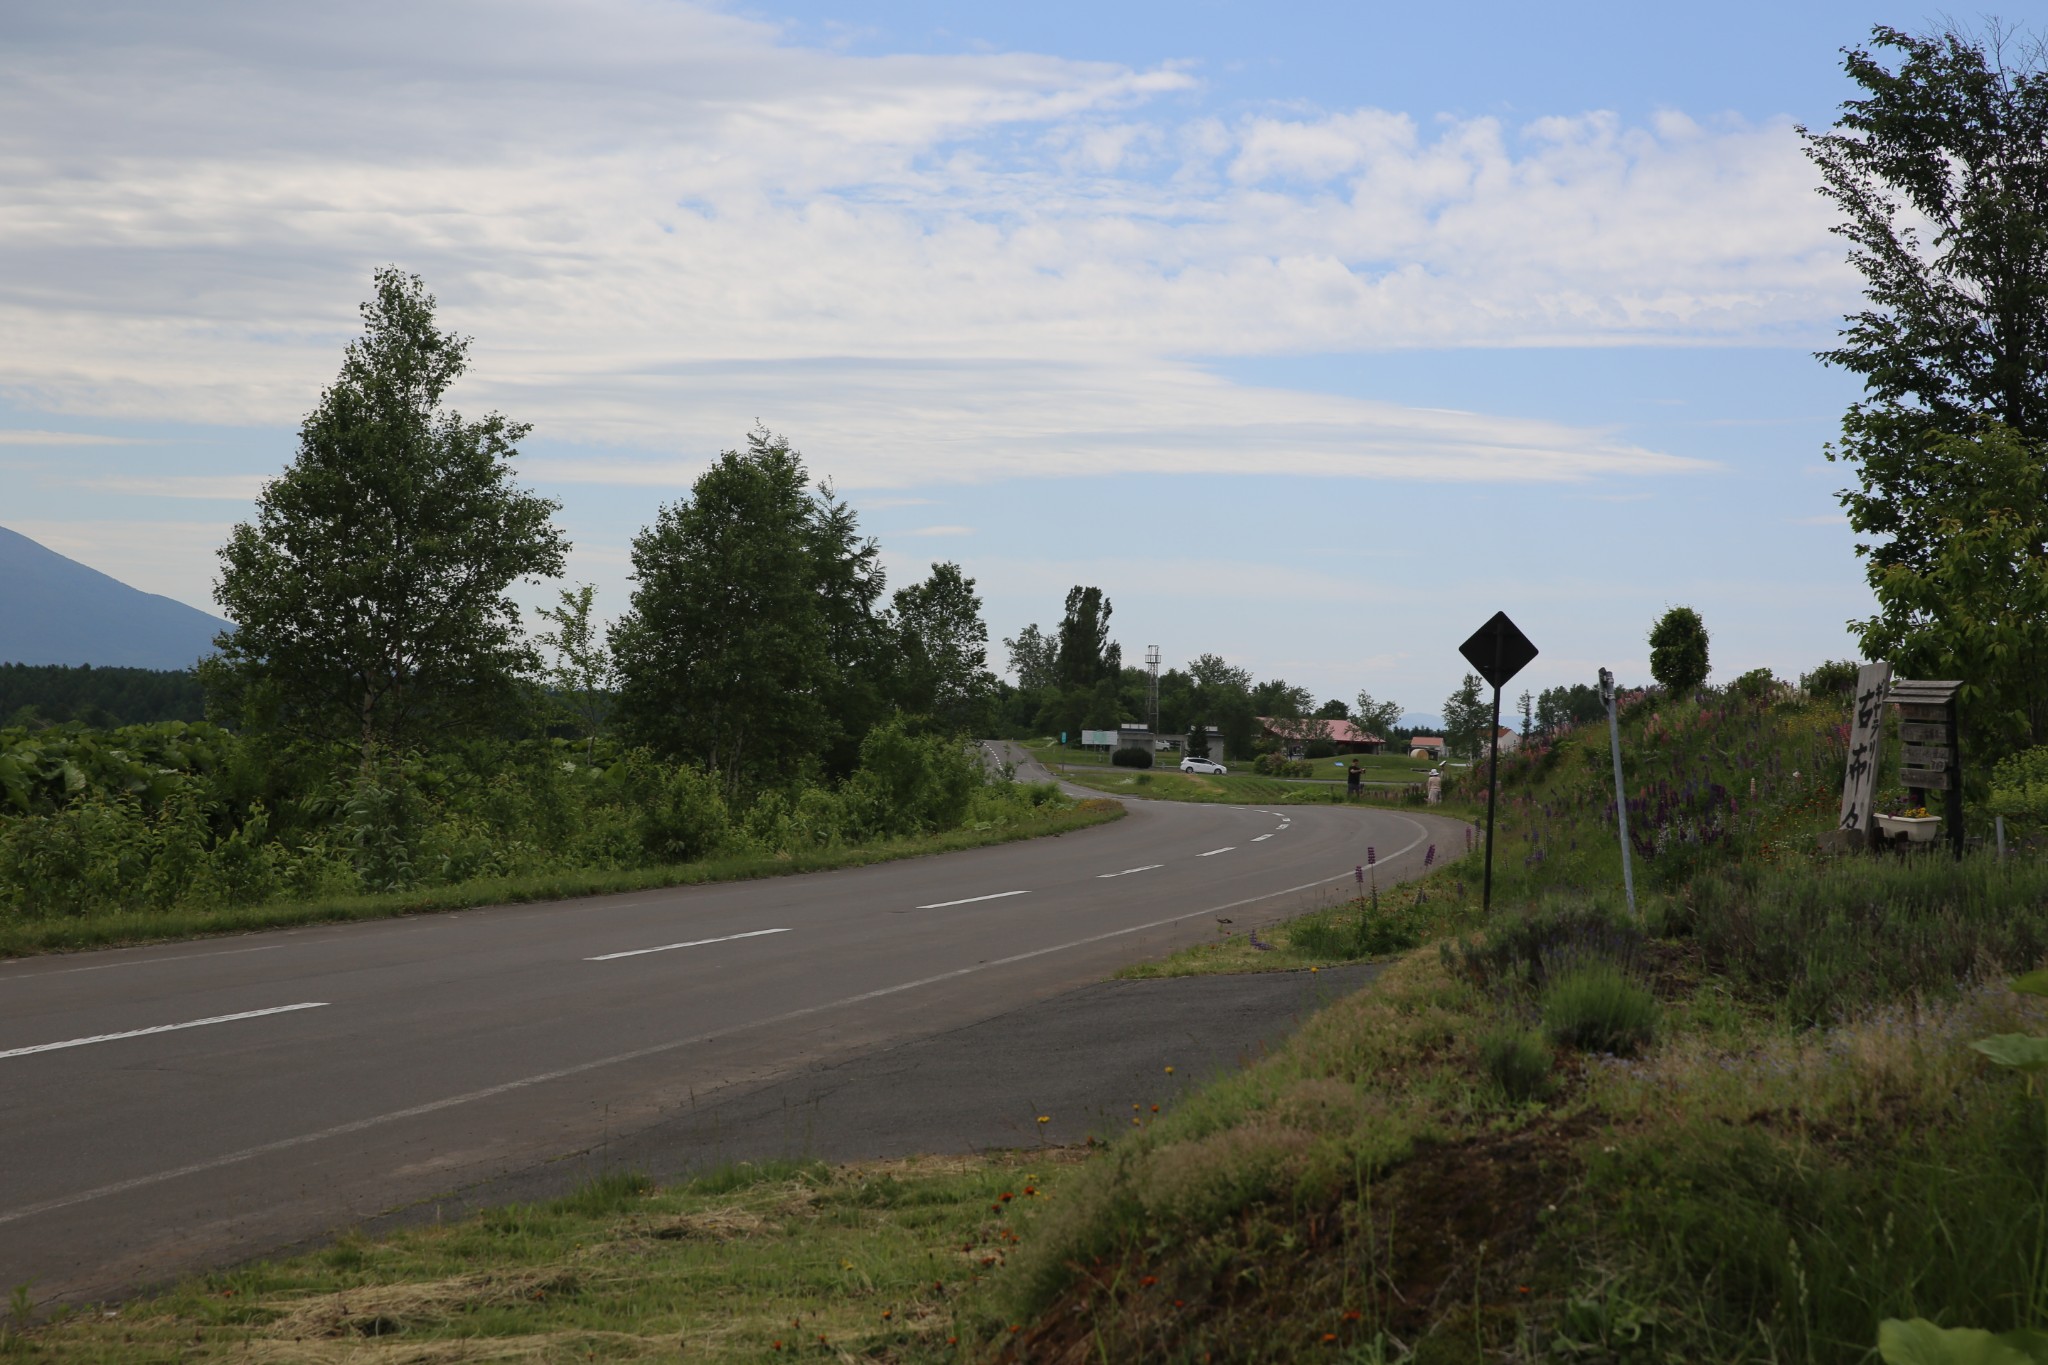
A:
x: 1152, y: 686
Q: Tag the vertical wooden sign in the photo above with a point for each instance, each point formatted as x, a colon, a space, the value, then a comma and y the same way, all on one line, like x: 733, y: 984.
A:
x: 1866, y: 738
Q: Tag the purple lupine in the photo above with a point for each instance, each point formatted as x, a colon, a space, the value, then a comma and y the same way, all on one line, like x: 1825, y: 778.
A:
x: 1371, y: 855
x: 1429, y: 858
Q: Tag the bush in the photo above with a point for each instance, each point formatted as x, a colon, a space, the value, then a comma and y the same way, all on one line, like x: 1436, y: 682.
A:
x: 686, y: 820
x: 1759, y: 684
x: 2019, y: 785
x: 1828, y: 679
x: 1131, y: 758
x: 1280, y: 765
x: 1596, y: 1008
x: 1518, y: 1060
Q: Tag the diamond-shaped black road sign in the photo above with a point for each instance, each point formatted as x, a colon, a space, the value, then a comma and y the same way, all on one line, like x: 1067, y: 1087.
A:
x: 1498, y: 650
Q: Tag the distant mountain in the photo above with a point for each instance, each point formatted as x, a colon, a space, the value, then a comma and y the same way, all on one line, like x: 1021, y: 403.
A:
x: 55, y: 610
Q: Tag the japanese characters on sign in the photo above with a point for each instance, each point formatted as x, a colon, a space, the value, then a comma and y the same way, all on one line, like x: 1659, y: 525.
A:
x: 1866, y: 734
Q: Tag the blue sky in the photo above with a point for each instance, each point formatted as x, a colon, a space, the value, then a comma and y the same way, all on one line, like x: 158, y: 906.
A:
x: 1313, y: 337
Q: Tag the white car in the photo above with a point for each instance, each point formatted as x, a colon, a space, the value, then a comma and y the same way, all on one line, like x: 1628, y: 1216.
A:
x: 1202, y: 765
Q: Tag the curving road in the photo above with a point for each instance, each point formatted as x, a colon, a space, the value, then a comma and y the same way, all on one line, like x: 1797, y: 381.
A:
x: 180, y: 1106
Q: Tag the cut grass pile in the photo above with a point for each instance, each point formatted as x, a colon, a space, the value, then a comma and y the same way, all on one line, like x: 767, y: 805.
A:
x: 22, y: 937
x: 746, y: 1263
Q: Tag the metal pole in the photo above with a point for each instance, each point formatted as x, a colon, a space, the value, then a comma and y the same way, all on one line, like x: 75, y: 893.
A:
x: 1628, y: 873
x: 1492, y: 789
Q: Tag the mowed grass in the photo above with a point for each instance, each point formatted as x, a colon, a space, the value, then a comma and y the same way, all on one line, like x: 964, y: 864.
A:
x: 22, y: 937
x: 1229, y: 789
x: 747, y: 1263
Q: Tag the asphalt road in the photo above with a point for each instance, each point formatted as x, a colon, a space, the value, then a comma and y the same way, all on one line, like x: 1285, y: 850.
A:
x: 170, y: 1108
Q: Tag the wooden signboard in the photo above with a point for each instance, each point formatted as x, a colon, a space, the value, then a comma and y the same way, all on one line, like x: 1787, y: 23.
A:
x: 1932, y: 752
x: 1866, y: 735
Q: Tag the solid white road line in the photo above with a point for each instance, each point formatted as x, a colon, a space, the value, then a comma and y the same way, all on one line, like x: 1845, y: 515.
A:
x: 163, y: 1028
x: 693, y: 943
x: 1149, y: 867
x: 970, y: 900
x: 133, y: 962
x: 1214, y: 851
x: 15, y: 1215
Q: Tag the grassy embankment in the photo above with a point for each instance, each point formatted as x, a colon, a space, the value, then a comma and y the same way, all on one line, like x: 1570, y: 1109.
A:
x: 21, y: 936
x: 1744, y: 1127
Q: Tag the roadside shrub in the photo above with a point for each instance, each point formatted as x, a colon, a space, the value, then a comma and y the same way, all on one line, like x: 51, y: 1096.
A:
x: 1280, y: 765
x: 686, y: 820
x: 1596, y: 1008
x: 1517, y: 1060
x: 1131, y: 758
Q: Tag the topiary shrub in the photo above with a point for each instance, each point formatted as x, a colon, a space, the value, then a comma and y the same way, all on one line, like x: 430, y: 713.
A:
x: 1131, y: 758
x: 1678, y: 651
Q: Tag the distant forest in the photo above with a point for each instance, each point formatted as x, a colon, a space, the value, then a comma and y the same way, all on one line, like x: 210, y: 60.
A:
x: 49, y: 694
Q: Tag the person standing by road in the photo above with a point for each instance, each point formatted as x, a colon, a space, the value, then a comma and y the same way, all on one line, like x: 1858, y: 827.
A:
x: 1351, y: 781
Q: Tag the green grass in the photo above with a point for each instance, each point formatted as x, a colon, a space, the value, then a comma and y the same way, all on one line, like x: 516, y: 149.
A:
x: 744, y: 1263
x: 22, y: 937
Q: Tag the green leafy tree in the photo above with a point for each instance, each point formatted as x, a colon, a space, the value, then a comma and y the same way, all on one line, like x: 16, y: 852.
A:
x: 752, y: 628
x: 1034, y: 658
x: 581, y: 673
x: 942, y: 657
x: 1468, y: 716
x: 1376, y: 717
x: 1576, y: 704
x: 1678, y: 651
x: 1333, y: 709
x: 1278, y: 697
x: 1954, y: 337
x: 1977, y: 610
x: 369, y: 594
x: 1086, y: 654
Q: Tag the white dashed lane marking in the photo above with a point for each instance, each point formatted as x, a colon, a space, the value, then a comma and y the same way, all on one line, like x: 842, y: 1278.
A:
x: 162, y: 1028
x: 693, y: 943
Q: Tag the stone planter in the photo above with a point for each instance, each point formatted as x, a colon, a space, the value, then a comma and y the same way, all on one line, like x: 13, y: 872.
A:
x: 1916, y: 829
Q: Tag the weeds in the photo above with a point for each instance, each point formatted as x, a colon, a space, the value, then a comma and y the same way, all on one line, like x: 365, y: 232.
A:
x: 1596, y: 1008
x: 1518, y: 1061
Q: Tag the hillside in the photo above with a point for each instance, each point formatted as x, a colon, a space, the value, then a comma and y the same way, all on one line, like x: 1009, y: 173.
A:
x: 58, y: 611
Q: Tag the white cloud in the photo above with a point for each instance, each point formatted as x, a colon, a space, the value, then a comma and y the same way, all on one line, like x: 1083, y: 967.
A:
x: 966, y: 266
x: 222, y: 487
x: 14, y: 436
x: 939, y: 531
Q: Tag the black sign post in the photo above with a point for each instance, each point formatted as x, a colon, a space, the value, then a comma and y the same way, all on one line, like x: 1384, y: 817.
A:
x: 1498, y: 650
